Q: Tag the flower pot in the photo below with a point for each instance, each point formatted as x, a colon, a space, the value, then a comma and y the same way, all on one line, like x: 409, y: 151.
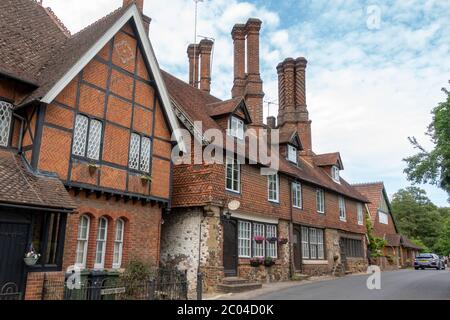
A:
x: 30, y: 261
x: 269, y: 263
x: 255, y: 264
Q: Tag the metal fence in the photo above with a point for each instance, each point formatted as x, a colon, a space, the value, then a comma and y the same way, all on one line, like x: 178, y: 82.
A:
x: 165, y: 285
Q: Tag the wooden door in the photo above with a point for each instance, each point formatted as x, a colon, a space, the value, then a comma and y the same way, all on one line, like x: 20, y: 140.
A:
x: 230, y: 254
x: 297, y: 248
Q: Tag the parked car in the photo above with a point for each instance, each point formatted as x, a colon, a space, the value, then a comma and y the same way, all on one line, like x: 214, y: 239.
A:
x: 429, y: 260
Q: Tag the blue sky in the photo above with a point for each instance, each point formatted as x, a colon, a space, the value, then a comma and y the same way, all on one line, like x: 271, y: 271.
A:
x: 375, y: 67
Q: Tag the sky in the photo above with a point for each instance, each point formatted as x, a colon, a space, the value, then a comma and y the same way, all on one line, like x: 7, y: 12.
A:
x: 375, y: 68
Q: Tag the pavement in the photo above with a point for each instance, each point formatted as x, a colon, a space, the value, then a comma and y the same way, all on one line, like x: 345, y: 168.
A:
x: 406, y: 284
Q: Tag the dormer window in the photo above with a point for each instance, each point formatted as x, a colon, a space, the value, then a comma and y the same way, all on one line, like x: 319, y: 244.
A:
x: 335, y: 173
x: 5, y: 122
x: 236, y: 128
x: 292, y: 153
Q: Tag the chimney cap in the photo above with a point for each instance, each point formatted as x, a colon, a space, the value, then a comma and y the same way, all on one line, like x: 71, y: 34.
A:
x: 238, y: 31
x: 193, y: 48
x: 288, y: 63
x: 301, y: 62
x: 206, y: 45
x: 253, y: 24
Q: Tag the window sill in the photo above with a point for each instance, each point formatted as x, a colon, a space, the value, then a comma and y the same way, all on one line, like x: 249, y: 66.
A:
x: 298, y: 208
x: 343, y: 220
x: 274, y: 201
x: 233, y: 192
x: 314, y: 262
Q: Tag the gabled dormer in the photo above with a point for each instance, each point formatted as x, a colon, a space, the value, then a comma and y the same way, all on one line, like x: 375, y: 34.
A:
x: 290, y: 145
x: 331, y: 163
x: 232, y: 116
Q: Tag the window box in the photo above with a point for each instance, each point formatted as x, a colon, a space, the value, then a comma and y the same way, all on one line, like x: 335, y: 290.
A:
x: 256, y: 262
x: 272, y: 239
x: 93, y: 168
x: 268, y: 261
x: 146, y: 179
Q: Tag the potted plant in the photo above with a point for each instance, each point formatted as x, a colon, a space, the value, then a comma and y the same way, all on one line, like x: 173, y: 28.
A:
x: 269, y: 261
x: 272, y: 239
x: 256, y: 262
x: 93, y: 167
x: 31, y: 257
x: 145, y: 178
x: 258, y: 239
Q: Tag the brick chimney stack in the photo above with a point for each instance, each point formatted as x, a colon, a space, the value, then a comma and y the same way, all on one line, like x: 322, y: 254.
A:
x: 140, y: 5
x: 293, y: 113
x: 248, y: 83
x: 239, y: 33
x: 193, y: 52
x: 205, y: 66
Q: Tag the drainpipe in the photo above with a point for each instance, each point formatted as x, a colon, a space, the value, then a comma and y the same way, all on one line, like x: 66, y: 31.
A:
x: 291, y: 233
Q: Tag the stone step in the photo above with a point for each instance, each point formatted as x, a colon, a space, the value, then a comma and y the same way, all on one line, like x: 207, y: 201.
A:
x: 238, y: 287
x: 234, y: 280
x: 300, y: 276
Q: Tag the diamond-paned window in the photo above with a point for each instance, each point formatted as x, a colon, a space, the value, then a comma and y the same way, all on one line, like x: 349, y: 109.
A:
x: 5, y: 122
x: 140, y: 149
x: 87, y: 137
x: 145, y: 154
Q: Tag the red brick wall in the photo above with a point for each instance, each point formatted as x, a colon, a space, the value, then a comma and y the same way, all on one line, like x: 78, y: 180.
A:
x: 132, y: 104
x: 380, y: 229
x: 142, y: 229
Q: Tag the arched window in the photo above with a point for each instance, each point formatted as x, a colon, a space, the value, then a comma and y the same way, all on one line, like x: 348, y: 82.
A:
x: 118, y: 244
x: 82, y: 241
x: 102, y: 233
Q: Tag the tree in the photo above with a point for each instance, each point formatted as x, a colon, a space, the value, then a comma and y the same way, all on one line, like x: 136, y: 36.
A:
x: 433, y: 166
x: 417, y: 217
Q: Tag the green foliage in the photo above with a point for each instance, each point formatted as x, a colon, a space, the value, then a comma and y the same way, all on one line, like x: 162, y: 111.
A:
x: 421, y: 221
x: 137, y: 272
x: 376, y: 244
x: 433, y: 166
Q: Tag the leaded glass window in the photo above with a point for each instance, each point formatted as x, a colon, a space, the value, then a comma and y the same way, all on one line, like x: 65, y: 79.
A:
x: 140, y: 150
x: 5, y: 122
x: 87, y: 137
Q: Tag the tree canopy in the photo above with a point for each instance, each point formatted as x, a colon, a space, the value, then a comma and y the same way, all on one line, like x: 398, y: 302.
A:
x: 419, y: 219
x: 433, y: 166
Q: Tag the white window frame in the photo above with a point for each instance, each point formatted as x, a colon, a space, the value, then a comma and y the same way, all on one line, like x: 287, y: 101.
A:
x: 297, y: 200
x: 320, y: 244
x: 320, y: 200
x: 305, y: 243
x: 383, y: 217
x: 271, y: 247
x: 313, y: 243
x: 102, y: 243
x: 335, y: 174
x: 360, y: 214
x: 118, y: 244
x: 244, y: 239
x: 236, y: 128
x: 271, y: 192
x: 342, y: 209
x: 82, y: 243
x: 140, y: 154
x: 89, y: 138
x: 292, y: 153
x: 235, y: 169
x: 259, y: 229
x: 5, y: 124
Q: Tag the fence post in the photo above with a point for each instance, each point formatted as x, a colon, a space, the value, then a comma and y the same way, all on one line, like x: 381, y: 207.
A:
x: 199, y: 286
x: 151, y: 289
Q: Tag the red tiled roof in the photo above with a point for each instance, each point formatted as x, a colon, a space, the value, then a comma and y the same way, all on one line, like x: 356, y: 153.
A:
x: 20, y: 186
x: 223, y: 107
x: 194, y: 102
x: 393, y: 240
x: 409, y: 244
x: 328, y: 159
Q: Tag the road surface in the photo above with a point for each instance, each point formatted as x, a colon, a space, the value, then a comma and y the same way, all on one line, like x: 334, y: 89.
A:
x: 395, y: 285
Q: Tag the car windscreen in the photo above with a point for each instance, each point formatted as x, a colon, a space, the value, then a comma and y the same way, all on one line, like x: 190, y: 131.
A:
x: 427, y: 256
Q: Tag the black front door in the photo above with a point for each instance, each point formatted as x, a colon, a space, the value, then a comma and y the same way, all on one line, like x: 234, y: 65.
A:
x: 230, y: 257
x: 297, y: 250
x: 13, y: 245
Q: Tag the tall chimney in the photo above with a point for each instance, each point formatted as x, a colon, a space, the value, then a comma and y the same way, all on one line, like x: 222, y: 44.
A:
x: 140, y: 6
x: 193, y: 52
x: 254, y: 94
x: 293, y: 112
x: 205, y: 67
x: 238, y: 34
